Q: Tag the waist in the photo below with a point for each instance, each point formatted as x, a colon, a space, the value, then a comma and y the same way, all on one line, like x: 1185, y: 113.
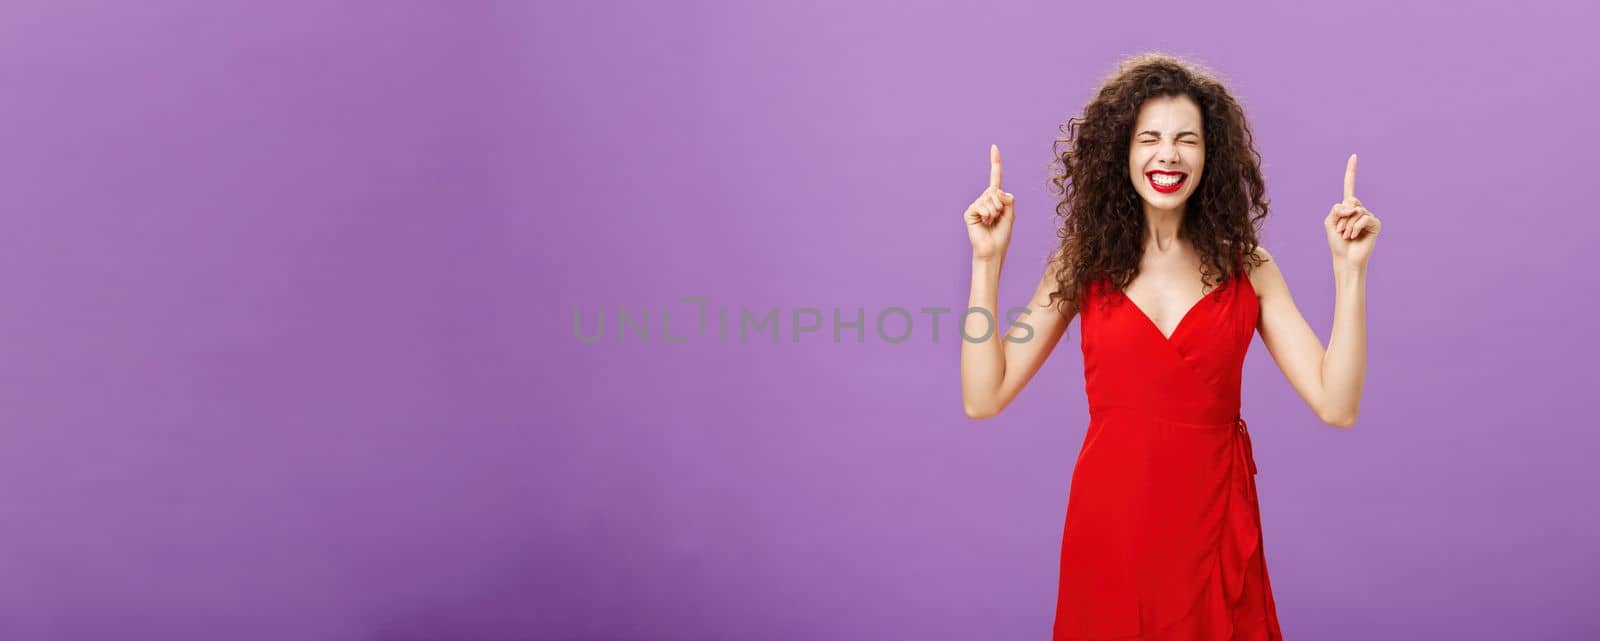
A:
x: 1195, y: 418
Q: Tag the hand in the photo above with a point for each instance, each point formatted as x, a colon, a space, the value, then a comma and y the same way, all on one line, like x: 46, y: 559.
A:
x: 1352, y: 229
x: 990, y: 217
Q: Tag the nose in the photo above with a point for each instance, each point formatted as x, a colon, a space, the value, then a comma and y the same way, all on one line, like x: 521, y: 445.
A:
x: 1169, y: 154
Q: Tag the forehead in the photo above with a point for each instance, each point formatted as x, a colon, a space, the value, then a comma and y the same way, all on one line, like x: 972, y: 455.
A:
x: 1168, y: 113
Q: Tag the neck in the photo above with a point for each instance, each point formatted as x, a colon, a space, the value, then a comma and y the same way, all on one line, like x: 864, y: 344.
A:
x: 1163, y: 227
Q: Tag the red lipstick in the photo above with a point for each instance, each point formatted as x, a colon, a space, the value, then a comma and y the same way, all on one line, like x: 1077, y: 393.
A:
x: 1166, y: 189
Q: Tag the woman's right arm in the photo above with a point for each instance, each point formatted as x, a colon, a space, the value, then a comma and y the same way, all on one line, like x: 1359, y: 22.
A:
x: 995, y: 366
x: 994, y: 370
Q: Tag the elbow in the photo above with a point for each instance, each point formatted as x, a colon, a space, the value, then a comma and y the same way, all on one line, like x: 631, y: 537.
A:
x: 979, y: 412
x: 1341, y: 421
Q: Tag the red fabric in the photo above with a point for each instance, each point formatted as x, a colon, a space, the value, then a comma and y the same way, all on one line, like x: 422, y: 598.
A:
x: 1162, y: 540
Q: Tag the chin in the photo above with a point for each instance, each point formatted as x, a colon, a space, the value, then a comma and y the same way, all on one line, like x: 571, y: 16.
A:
x: 1166, y: 201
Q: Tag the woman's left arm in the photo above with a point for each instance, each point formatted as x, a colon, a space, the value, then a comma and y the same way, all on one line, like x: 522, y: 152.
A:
x: 1329, y: 381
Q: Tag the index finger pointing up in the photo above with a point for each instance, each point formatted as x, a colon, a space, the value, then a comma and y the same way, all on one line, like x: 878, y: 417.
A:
x: 994, y: 166
x: 1350, y: 178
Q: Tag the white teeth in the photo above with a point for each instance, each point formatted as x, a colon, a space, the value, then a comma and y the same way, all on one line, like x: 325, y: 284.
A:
x: 1166, y: 180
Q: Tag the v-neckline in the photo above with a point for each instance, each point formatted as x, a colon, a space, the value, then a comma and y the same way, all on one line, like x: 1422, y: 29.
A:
x: 1176, y: 328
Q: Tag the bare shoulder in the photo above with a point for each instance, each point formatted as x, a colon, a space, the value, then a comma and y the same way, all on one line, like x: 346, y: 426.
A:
x: 1056, y: 270
x: 1265, y: 277
x: 1261, y: 256
x: 1261, y: 268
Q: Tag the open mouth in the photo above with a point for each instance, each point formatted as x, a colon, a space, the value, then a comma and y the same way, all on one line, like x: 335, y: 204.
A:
x: 1166, y: 182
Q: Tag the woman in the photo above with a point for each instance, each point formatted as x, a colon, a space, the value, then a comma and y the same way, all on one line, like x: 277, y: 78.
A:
x: 1161, y: 202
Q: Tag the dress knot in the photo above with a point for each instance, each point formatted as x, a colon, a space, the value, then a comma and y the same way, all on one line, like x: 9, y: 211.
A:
x: 1245, y: 448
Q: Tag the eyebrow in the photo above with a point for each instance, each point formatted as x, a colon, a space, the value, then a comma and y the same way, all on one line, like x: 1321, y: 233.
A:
x: 1157, y: 134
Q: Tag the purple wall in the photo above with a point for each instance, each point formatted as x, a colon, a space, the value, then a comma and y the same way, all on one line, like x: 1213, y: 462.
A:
x: 289, y: 336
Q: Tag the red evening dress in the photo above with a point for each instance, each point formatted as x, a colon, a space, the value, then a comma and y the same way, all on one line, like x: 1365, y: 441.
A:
x: 1162, y: 540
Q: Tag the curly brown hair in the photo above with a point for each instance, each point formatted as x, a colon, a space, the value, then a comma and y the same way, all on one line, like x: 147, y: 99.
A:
x: 1102, y: 216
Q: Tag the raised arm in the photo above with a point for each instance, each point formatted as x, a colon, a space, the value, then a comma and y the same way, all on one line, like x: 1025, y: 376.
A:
x: 1329, y: 380
x: 995, y: 364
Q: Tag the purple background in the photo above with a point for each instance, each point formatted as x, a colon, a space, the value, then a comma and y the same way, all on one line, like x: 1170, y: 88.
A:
x: 290, y: 287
